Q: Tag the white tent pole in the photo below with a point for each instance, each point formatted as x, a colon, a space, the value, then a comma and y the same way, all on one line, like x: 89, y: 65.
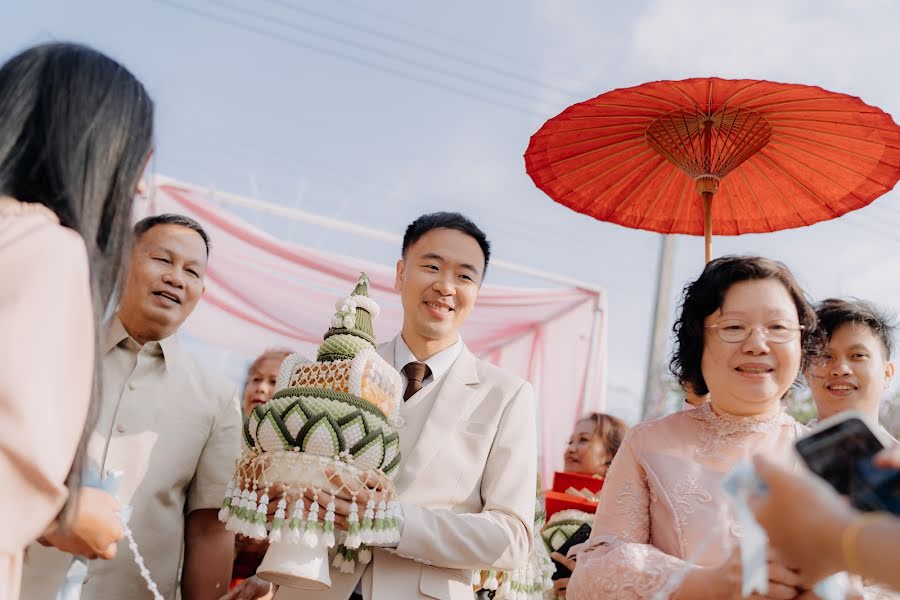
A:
x: 362, y: 231
x: 596, y: 324
x: 602, y: 345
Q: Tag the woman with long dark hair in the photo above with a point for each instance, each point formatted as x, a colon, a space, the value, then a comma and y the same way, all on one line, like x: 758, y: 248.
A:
x: 76, y: 132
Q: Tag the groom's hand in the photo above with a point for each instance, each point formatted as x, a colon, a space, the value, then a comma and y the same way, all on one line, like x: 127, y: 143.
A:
x: 253, y: 588
x: 344, y: 493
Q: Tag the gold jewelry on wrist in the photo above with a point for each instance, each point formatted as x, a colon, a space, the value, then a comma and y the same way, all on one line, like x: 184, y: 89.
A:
x: 851, y: 533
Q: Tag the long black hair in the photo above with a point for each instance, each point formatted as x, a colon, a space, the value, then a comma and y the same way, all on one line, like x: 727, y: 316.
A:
x: 76, y: 129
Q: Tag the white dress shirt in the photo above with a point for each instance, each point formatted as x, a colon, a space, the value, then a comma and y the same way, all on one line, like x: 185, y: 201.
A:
x: 415, y: 411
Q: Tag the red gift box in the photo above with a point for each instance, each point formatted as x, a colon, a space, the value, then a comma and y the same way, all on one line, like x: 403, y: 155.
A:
x: 563, y: 480
x: 557, y: 499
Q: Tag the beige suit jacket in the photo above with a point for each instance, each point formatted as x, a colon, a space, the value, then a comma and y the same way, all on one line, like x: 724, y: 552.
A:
x: 467, y: 491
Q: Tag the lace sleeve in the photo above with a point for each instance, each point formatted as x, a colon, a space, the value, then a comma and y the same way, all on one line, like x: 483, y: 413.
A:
x: 871, y: 591
x: 618, y: 561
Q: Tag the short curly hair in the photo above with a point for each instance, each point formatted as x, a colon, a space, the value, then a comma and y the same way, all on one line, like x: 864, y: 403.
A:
x: 704, y: 296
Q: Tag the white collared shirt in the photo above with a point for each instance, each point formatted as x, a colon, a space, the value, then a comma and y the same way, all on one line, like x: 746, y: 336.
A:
x: 415, y: 411
x: 439, y: 364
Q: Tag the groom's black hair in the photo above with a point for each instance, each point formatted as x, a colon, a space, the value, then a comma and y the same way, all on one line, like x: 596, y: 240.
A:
x: 446, y: 220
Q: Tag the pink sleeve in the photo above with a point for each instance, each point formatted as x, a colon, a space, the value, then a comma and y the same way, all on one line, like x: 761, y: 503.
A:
x: 871, y: 591
x: 618, y: 561
x: 46, y: 353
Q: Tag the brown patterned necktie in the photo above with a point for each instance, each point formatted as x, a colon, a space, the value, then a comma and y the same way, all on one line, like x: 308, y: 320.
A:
x: 415, y: 372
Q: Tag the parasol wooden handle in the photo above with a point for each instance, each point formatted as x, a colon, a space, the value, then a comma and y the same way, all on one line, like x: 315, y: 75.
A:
x: 707, y: 186
x: 707, y: 224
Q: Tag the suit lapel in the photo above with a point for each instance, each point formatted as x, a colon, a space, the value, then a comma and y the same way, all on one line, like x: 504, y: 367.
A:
x: 386, y: 350
x: 455, y: 396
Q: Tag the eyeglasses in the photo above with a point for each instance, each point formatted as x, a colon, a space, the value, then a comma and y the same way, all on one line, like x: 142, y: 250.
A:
x: 735, y: 330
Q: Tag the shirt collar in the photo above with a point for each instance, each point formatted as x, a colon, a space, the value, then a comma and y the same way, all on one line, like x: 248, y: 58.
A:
x: 439, y: 364
x: 115, y: 334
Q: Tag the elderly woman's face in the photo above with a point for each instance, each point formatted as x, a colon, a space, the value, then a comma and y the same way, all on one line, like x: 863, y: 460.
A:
x: 260, y: 384
x: 585, y: 452
x: 750, y: 377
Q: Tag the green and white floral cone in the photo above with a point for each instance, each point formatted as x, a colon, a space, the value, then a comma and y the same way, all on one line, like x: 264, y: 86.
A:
x: 561, y: 526
x: 333, y: 416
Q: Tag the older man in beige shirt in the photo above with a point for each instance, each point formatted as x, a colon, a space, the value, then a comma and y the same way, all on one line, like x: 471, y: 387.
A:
x: 171, y: 428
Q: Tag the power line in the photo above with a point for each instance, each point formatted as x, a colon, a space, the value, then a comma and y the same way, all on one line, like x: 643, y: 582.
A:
x: 428, y: 67
x: 394, y: 18
x: 420, y: 46
x: 350, y: 58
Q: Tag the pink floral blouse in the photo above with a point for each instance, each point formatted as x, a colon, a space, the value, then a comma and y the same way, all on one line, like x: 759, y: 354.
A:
x: 662, y: 508
x: 662, y: 503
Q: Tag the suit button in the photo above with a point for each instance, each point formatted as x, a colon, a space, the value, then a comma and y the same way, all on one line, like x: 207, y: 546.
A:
x: 121, y: 428
x: 131, y: 385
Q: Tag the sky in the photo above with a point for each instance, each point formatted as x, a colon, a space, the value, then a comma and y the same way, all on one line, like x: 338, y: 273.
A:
x: 377, y: 112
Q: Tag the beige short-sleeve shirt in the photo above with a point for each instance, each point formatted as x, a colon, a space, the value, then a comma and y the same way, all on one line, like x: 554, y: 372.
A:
x: 173, y: 430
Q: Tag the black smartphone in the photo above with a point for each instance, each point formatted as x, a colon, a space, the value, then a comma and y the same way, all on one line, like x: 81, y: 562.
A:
x: 840, y: 451
x: 580, y: 536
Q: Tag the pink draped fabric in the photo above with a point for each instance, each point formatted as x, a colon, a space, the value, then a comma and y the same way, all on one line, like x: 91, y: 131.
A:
x: 263, y: 292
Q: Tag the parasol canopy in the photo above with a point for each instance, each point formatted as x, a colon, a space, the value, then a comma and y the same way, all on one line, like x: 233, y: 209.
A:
x: 710, y: 156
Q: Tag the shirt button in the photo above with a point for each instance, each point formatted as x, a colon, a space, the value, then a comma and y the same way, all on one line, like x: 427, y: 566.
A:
x: 121, y: 428
x: 131, y: 385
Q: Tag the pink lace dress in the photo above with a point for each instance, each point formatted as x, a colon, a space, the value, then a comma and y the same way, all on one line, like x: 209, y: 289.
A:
x: 662, y: 508
x: 662, y: 503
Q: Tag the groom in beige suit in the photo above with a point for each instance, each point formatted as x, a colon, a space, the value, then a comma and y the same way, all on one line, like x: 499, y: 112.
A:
x: 467, y: 476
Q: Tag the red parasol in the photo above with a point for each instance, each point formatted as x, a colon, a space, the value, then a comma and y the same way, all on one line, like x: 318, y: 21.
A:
x: 774, y: 156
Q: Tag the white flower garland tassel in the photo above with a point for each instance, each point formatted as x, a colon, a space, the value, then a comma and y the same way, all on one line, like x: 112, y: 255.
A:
x: 278, y: 522
x: 353, y: 538
x: 328, y: 528
x: 311, y: 536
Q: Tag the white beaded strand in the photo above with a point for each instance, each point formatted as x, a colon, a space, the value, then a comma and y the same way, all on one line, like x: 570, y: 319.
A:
x: 139, y: 560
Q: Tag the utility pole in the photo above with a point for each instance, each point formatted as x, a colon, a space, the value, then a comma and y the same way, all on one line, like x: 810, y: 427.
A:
x: 659, y: 334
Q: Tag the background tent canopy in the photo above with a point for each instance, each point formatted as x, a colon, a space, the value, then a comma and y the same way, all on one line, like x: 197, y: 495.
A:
x: 263, y: 292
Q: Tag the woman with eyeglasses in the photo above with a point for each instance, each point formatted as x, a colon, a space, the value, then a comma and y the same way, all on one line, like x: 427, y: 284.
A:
x: 664, y: 527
